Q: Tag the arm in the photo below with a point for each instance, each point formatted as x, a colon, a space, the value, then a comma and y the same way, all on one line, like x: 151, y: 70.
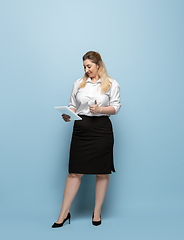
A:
x: 114, y: 102
x: 115, y: 97
x: 72, y: 103
x: 73, y: 109
x: 110, y: 110
x: 65, y: 117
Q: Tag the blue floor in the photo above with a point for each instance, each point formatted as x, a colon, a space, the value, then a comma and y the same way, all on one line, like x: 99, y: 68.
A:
x: 134, y: 227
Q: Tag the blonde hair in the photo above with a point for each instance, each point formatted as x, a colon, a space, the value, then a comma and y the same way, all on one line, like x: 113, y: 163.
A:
x: 102, y: 72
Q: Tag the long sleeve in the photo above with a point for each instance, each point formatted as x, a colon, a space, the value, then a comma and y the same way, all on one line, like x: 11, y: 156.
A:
x: 73, y: 102
x: 115, y: 96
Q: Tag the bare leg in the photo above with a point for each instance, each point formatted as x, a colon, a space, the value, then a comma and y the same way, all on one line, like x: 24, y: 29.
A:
x: 100, y: 191
x: 71, y: 188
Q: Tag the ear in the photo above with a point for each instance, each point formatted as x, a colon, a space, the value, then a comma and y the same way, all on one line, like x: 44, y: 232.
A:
x: 98, y: 65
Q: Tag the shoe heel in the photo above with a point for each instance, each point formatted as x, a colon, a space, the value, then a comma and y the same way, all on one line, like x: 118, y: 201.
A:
x: 56, y: 225
x: 69, y: 216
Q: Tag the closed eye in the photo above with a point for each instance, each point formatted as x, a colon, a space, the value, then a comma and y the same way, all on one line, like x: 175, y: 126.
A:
x: 89, y: 66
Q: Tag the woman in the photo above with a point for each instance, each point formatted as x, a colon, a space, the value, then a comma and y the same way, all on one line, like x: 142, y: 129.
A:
x: 94, y: 98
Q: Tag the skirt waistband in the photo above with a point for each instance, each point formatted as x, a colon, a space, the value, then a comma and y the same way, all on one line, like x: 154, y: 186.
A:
x: 81, y: 115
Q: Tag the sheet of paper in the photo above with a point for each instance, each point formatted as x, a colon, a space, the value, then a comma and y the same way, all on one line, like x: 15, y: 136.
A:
x: 66, y: 110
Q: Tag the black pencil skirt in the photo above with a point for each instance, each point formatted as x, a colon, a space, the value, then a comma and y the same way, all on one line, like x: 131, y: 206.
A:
x: 91, y: 149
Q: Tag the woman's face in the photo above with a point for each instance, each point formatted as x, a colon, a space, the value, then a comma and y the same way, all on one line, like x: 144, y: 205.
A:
x: 90, y: 68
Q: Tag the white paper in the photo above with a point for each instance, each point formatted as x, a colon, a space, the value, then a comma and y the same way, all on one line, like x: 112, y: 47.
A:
x: 66, y: 110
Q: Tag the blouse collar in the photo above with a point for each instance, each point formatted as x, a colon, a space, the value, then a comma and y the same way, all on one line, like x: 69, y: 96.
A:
x: 89, y: 80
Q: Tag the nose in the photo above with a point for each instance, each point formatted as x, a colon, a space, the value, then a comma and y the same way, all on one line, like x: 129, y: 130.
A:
x: 86, y: 69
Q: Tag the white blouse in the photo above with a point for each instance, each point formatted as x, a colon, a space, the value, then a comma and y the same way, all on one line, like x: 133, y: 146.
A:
x: 82, y: 98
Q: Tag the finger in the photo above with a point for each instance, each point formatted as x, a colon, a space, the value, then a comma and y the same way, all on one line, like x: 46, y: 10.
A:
x: 66, y: 119
x: 95, y: 102
x: 64, y: 115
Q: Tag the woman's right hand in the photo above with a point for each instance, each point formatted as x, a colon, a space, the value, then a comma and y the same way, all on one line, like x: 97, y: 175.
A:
x: 66, y: 118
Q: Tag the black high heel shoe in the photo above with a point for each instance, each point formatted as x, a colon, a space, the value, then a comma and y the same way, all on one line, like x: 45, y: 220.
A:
x: 96, y: 223
x: 56, y: 225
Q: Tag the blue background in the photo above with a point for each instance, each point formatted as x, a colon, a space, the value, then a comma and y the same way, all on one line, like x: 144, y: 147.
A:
x: 41, y: 49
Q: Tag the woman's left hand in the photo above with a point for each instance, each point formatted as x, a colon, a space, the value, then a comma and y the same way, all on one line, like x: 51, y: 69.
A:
x: 95, y: 108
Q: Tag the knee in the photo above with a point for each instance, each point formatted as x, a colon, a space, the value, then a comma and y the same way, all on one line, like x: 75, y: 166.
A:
x: 75, y: 175
x: 102, y: 176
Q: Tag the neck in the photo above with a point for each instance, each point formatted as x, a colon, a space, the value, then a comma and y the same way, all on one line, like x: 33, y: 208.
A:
x: 95, y: 79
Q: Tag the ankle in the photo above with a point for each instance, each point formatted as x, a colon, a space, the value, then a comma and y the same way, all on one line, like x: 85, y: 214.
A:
x: 97, y: 211
x: 62, y: 215
x: 96, y: 215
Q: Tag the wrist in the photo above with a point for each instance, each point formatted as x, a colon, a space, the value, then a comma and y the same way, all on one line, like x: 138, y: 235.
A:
x: 100, y: 110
